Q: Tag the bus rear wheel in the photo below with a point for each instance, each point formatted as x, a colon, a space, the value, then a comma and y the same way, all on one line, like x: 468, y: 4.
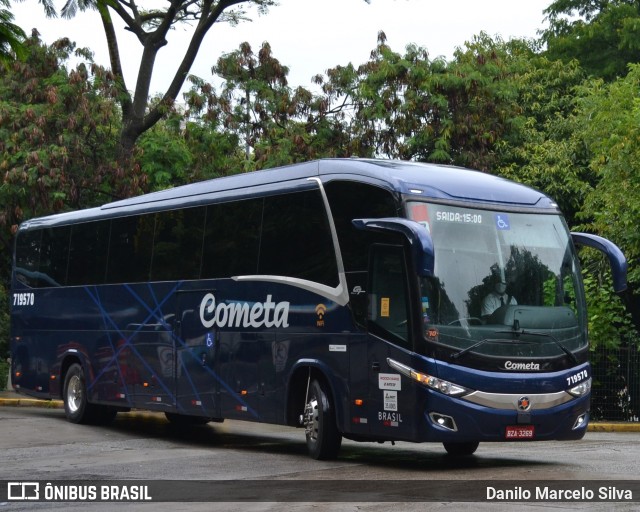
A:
x: 76, y: 407
x: 323, y: 437
x: 461, y: 449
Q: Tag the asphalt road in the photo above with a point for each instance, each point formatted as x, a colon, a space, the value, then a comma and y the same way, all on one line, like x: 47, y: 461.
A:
x: 38, y: 444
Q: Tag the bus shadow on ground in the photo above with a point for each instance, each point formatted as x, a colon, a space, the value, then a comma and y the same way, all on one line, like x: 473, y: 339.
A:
x: 426, y: 457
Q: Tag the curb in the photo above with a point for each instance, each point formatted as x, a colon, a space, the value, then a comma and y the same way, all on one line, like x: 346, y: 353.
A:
x: 613, y: 427
x: 31, y: 402
x: 58, y: 404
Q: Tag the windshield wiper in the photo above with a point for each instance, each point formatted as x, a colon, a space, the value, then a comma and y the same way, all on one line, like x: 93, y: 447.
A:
x: 483, y: 341
x: 519, y: 332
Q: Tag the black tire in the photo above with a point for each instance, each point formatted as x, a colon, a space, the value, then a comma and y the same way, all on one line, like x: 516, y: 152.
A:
x: 323, y: 437
x: 184, y: 420
x: 461, y: 449
x: 76, y: 407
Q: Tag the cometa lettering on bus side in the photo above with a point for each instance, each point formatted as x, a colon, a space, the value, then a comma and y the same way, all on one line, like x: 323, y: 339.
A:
x: 243, y: 314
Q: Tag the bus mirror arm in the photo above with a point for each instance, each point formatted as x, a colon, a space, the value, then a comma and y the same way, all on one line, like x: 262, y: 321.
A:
x: 617, y: 259
x: 417, y: 235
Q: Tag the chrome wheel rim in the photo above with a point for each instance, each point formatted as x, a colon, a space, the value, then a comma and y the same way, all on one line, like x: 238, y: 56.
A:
x: 74, y: 394
x: 311, y: 419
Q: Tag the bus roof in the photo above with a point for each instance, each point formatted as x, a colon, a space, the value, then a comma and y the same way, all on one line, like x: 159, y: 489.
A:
x: 419, y: 180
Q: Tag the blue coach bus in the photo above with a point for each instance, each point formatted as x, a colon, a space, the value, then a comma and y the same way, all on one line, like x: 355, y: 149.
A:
x: 367, y: 299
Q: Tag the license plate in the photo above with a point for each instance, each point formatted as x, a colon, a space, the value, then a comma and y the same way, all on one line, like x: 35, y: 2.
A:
x: 519, y: 432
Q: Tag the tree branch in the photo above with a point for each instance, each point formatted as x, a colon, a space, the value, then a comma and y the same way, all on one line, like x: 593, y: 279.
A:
x: 114, y: 58
x: 210, y: 14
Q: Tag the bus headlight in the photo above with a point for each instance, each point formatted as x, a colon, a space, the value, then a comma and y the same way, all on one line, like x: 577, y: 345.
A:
x: 441, y: 385
x: 581, y: 389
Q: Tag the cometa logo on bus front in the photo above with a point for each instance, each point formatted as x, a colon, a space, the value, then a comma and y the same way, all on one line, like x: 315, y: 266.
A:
x: 510, y: 365
x: 243, y: 314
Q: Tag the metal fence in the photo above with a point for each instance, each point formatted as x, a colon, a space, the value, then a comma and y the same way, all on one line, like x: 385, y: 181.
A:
x: 615, y: 395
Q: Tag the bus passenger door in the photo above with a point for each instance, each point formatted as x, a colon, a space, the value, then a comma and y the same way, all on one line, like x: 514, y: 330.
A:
x: 196, y: 351
x: 391, y: 396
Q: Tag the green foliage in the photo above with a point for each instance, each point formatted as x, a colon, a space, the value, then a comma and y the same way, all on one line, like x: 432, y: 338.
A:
x: 604, y: 36
x: 409, y: 107
x: 152, y: 25
x: 4, y: 324
x: 164, y: 157
x: 610, y: 127
x: 255, y: 108
x: 57, y: 131
x: 56, y: 134
x: 543, y: 150
x: 609, y: 322
x: 11, y: 36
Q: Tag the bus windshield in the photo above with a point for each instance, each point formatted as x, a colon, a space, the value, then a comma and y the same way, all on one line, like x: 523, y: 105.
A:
x: 505, y: 283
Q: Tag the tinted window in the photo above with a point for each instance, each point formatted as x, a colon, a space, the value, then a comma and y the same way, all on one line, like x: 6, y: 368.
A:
x: 177, y: 247
x: 54, y: 250
x: 88, y: 253
x: 232, y: 238
x: 28, y: 257
x: 130, y: 246
x: 296, y: 240
x: 350, y: 200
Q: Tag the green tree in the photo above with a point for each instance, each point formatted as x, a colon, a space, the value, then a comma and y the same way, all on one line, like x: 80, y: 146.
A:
x: 11, y: 36
x: 410, y: 107
x: 58, y: 129
x: 163, y: 155
x: 254, y: 96
x: 609, y: 119
x: 481, y: 85
x: 388, y: 105
x: 543, y: 149
x: 151, y: 27
x: 610, y: 127
x: 255, y: 107
x: 603, y: 35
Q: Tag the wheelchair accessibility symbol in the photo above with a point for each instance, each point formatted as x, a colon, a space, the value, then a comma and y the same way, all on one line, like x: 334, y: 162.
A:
x: 502, y: 221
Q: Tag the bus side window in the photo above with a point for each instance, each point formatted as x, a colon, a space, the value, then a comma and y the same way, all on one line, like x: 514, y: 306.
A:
x: 177, y: 245
x: 88, y: 251
x: 130, y: 249
x: 388, y: 305
x: 54, y: 252
x: 28, y: 257
x: 296, y: 240
x: 232, y: 239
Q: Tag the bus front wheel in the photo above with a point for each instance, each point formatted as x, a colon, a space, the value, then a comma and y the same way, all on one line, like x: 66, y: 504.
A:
x: 323, y: 437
